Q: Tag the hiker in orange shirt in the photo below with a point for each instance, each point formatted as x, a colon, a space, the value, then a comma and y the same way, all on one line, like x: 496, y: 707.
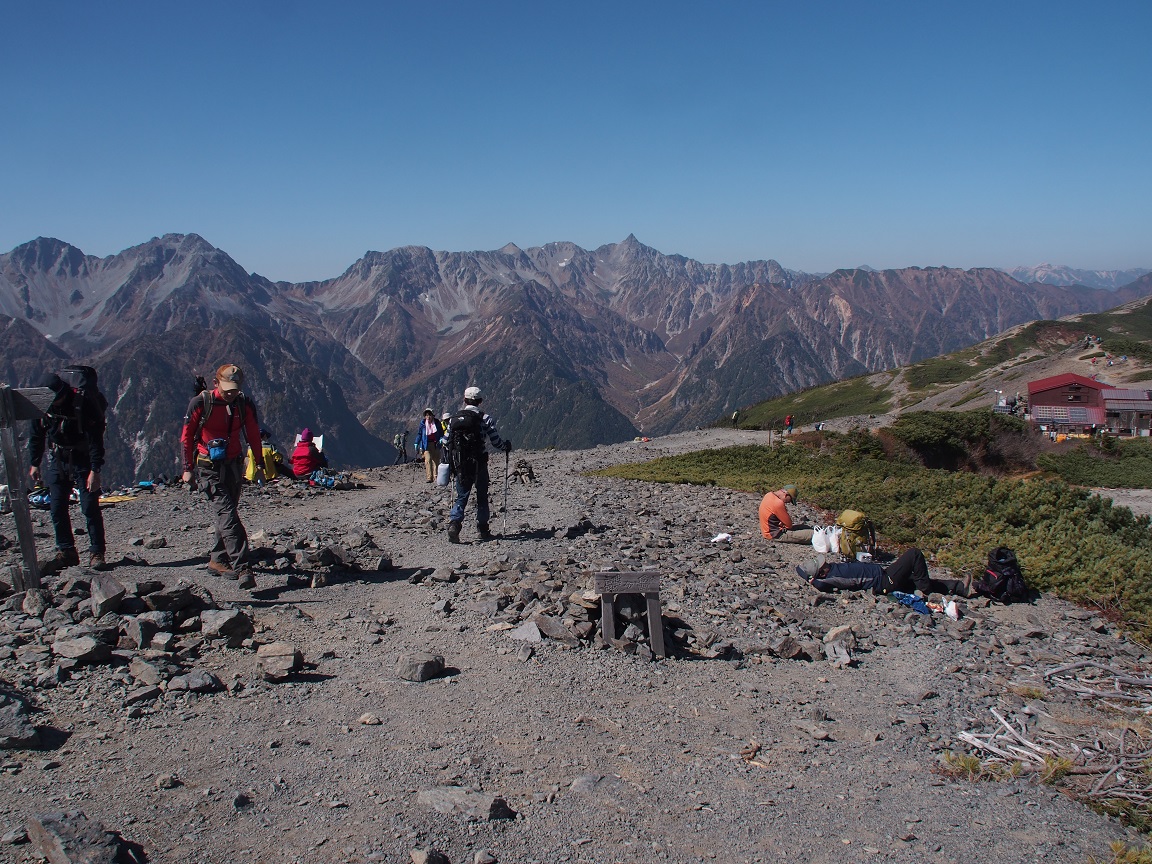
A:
x: 776, y: 524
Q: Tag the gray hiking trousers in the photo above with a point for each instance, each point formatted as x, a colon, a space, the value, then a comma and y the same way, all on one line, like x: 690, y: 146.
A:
x: 221, y: 485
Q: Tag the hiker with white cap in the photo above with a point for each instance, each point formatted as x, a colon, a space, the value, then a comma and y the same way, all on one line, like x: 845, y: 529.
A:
x: 776, y: 524
x: 469, y: 432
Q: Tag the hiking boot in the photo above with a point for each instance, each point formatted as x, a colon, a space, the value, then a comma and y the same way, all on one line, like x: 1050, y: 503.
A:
x: 222, y: 569
x: 453, y: 532
x: 483, y: 532
x: 96, y: 561
x: 63, y: 558
x: 247, y: 579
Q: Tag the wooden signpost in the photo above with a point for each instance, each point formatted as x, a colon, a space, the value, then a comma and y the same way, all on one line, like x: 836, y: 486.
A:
x: 16, y: 405
x: 609, y: 584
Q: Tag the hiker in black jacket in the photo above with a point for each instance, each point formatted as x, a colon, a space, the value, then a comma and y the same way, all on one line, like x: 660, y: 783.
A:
x: 468, y: 433
x: 69, y: 439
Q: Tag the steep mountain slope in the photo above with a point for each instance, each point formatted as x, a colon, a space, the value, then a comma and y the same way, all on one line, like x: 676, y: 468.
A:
x: 1059, y: 274
x: 574, y: 347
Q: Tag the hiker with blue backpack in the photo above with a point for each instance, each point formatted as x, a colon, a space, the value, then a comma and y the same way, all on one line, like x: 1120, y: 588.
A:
x: 469, y: 432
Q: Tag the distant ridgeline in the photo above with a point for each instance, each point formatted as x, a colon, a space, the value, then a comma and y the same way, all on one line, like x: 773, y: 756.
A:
x: 573, y: 347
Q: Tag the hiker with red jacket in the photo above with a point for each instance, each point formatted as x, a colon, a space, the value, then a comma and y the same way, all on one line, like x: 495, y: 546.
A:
x: 214, y: 453
x: 306, y: 458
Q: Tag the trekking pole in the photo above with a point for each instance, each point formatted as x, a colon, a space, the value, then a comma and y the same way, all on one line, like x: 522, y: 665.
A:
x: 504, y: 529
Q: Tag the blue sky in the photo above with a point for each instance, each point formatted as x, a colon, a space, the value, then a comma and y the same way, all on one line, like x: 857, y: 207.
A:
x: 296, y: 136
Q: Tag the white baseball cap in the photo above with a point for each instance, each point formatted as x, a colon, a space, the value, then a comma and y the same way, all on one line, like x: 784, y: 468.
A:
x: 473, y: 393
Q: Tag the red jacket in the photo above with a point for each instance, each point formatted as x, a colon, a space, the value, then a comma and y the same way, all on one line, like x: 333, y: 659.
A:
x: 306, y: 459
x: 217, y: 426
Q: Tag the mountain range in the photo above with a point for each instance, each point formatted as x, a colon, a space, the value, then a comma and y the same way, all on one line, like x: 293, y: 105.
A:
x: 573, y: 347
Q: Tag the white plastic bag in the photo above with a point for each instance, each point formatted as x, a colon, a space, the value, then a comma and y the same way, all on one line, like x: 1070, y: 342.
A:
x: 826, y: 541
x: 442, y: 472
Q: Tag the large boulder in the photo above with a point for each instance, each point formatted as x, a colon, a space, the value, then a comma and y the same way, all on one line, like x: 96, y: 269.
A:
x: 16, y: 729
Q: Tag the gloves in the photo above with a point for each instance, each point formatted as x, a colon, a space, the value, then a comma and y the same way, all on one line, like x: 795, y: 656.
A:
x: 507, y: 448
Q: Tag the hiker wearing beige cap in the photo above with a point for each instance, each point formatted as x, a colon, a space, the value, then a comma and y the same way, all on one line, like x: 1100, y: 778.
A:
x: 213, y: 454
x: 776, y: 524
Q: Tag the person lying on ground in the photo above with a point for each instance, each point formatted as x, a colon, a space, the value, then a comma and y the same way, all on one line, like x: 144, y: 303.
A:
x: 776, y: 524
x: 908, y: 573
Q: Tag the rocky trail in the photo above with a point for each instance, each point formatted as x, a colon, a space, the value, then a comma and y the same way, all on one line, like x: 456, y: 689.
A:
x: 434, y: 702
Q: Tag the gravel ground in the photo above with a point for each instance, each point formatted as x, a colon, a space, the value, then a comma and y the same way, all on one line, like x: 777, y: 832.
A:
x: 725, y: 752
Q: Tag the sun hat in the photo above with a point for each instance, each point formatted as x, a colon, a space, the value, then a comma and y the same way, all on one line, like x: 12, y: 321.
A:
x: 809, y: 569
x: 791, y: 490
x: 473, y: 393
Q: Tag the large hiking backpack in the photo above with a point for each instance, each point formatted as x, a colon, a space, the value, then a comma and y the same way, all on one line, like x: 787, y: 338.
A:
x: 857, y: 533
x: 465, y: 440
x: 1002, y: 579
x: 69, y: 429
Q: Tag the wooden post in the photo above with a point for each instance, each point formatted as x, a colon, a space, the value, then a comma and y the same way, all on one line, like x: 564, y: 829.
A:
x: 645, y: 582
x: 16, y: 405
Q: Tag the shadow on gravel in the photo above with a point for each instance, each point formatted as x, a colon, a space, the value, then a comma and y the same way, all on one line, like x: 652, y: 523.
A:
x: 200, y: 560
x: 52, y: 738
x: 535, y: 534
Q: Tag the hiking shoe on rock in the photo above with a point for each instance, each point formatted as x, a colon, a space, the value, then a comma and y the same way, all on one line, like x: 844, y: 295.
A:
x: 96, y: 561
x: 63, y: 558
x: 222, y: 569
x: 483, y: 532
x: 247, y: 579
x: 453, y: 532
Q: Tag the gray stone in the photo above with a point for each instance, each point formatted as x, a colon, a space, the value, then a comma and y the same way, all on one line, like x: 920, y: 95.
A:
x: 16, y: 730
x: 231, y: 625
x: 196, y: 681
x: 106, y: 594
x: 54, y: 619
x: 138, y: 632
x: 554, y: 628
x: 278, y: 660
x: 787, y: 648
x: 483, y: 856
x: 142, y: 694
x: 420, y: 666
x: 443, y: 608
x: 84, y: 649
x: 155, y: 542
x: 72, y: 838
x: 14, y: 837
x: 526, y: 632
x: 145, y: 672
x: 428, y: 856
x: 36, y: 601
x: 474, y: 806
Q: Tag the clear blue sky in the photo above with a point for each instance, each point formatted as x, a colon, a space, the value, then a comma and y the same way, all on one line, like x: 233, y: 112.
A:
x: 296, y: 136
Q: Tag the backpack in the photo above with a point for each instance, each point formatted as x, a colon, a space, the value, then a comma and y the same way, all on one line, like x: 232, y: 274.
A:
x: 69, y: 431
x: 465, y: 440
x: 857, y: 534
x: 1002, y: 579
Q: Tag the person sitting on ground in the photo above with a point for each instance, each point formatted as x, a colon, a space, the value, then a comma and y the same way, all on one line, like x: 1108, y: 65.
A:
x: 908, y: 573
x: 272, y: 458
x: 776, y: 524
x: 306, y: 458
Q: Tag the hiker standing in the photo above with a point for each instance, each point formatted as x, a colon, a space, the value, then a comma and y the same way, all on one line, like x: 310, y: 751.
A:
x: 468, y: 452
x: 400, y: 442
x: 428, y: 440
x: 788, y: 424
x: 70, y: 440
x: 776, y: 524
x: 212, y: 450
x: 735, y: 418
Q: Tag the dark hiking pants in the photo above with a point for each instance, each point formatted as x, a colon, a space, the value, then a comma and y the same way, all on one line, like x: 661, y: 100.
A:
x: 221, y: 485
x: 466, y: 479
x: 61, y: 476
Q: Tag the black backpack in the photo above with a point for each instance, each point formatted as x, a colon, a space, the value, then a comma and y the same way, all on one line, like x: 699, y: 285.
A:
x: 85, y: 408
x: 465, y: 440
x: 1002, y: 579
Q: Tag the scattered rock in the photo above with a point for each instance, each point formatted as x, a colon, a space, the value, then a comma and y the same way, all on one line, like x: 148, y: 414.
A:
x: 72, y: 838
x: 457, y: 801
x: 369, y: 719
x: 196, y: 681
x: 16, y: 730
x: 106, y: 595
x: 428, y: 856
x: 231, y: 625
x: 278, y: 660
x: 419, y: 667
